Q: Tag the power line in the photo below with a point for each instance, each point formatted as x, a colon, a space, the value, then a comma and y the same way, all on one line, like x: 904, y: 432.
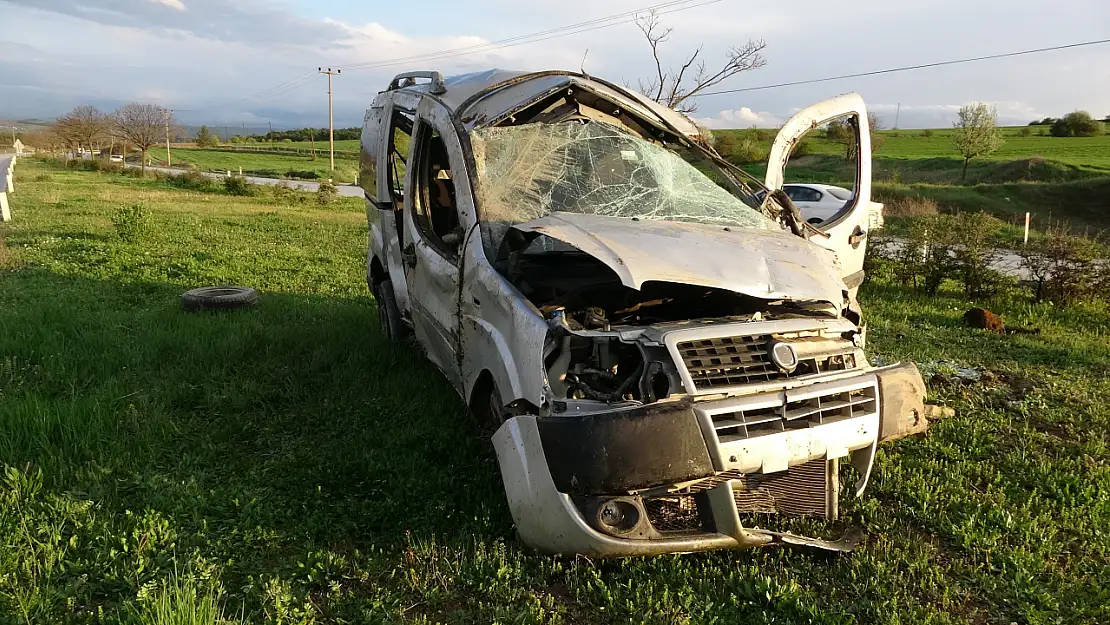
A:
x: 664, y: 8
x: 906, y: 68
x: 562, y: 31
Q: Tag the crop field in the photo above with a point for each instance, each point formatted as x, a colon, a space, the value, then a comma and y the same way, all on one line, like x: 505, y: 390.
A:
x: 285, y: 465
x: 266, y: 165
x: 348, y: 145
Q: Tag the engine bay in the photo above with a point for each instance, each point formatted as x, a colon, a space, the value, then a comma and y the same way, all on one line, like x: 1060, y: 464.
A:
x: 598, y: 350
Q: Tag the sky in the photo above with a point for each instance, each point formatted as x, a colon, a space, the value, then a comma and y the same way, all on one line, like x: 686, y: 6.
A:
x: 253, y: 62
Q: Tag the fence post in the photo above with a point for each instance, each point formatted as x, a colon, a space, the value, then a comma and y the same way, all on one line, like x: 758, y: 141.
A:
x: 1026, y: 241
x: 5, y: 210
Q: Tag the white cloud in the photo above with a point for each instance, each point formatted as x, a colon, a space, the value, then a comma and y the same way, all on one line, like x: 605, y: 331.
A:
x: 210, y: 55
x: 1010, y: 113
x: 173, y: 4
x: 742, y: 117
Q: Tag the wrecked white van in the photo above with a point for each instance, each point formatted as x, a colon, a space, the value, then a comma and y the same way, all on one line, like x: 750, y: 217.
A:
x: 659, y: 344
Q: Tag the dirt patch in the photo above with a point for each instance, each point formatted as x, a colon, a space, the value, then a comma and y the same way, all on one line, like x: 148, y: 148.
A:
x: 984, y: 319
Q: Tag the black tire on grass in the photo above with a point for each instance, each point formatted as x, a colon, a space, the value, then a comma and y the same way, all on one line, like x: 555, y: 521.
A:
x: 389, y: 314
x: 219, y: 298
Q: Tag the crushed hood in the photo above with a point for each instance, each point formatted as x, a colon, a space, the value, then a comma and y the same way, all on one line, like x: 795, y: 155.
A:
x: 760, y: 263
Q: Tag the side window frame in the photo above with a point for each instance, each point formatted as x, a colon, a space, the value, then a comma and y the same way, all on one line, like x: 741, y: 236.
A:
x: 396, y: 181
x: 423, y: 134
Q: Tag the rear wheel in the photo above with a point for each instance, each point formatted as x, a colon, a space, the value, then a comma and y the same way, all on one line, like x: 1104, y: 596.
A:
x: 389, y: 315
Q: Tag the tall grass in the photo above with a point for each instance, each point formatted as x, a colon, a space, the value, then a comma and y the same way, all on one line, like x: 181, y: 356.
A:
x: 323, y: 476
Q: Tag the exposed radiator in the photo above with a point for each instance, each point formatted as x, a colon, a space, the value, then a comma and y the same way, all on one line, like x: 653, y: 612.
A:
x: 809, y: 489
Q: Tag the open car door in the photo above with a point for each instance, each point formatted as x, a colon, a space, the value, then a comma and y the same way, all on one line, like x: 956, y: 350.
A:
x: 845, y: 233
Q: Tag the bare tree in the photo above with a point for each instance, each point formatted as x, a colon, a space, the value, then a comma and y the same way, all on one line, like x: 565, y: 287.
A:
x: 46, y: 140
x: 142, y: 125
x: 976, y: 134
x: 675, y: 88
x: 83, y: 126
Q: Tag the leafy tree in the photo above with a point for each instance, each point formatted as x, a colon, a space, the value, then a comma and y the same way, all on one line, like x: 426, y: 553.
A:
x: 205, y: 138
x: 976, y: 132
x: 1076, y: 124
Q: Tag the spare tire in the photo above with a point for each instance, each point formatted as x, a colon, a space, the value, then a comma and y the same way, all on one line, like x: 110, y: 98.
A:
x: 219, y: 298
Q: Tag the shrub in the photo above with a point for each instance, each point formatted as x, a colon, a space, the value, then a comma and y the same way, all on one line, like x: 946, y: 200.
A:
x: 974, y: 255
x: 1076, y: 124
x: 801, y: 148
x: 925, y: 258
x: 1025, y: 131
x: 192, y: 180
x: 327, y: 193
x: 915, y: 206
x: 928, y: 132
x: 236, y: 185
x: 132, y: 223
x: 287, y: 194
x: 306, y: 174
x: 1064, y: 268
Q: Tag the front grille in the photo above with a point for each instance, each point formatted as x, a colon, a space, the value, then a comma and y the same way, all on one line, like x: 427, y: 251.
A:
x: 827, y: 408
x: 800, y: 491
x: 737, y: 360
x: 673, y: 513
x: 728, y: 361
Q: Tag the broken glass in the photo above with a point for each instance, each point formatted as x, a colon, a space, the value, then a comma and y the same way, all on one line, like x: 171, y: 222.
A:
x: 533, y: 170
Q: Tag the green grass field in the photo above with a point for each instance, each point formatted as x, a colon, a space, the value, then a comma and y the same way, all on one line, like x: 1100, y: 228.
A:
x: 348, y: 145
x: 266, y: 165
x: 1057, y: 180
x: 284, y: 465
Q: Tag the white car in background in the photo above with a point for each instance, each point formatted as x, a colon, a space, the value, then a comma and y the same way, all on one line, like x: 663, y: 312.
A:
x: 820, y: 202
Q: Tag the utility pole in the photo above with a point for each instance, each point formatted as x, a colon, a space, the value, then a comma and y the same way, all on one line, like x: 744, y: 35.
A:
x: 897, y: 116
x: 169, y: 114
x: 331, y: 116
x: 271, y: 135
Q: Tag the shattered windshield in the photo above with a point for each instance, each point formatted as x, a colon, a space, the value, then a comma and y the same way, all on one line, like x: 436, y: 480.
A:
x: 530, y: 171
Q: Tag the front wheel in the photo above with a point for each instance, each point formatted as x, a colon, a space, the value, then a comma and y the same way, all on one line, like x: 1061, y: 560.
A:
x: 489, y: 410
x: 389, y: 315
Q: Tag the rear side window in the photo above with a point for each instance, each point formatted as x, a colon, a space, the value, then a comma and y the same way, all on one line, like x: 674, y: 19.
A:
x: 803, y: 194
x: 841, y: 194
x: 400, y: 149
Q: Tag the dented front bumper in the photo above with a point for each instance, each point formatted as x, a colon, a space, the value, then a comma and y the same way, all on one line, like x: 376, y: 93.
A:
x: 677, y: 477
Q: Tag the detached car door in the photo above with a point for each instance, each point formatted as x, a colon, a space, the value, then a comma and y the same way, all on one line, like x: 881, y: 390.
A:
x: 845, y: 233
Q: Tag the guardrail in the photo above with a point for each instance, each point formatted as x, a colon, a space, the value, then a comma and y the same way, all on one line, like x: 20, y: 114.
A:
x: 7, y: 185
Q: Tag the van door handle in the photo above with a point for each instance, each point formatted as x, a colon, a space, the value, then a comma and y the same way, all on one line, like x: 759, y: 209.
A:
x: 857, y: 237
